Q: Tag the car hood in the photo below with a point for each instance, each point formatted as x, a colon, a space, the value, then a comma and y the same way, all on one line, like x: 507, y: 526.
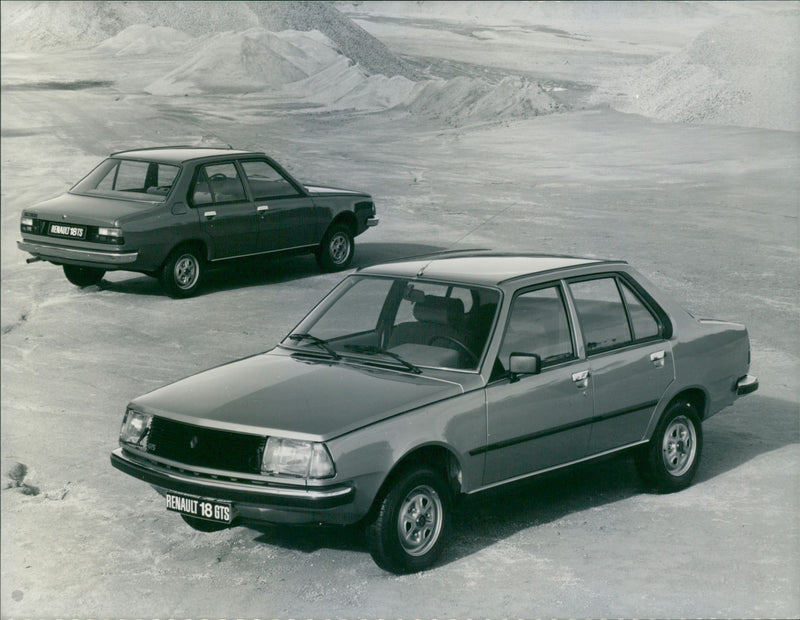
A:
x: 293, y: 396
x: 89, y: 210
x: 321, y: 190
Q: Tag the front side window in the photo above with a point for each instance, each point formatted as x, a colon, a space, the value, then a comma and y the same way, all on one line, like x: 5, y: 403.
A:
x: 538, y: 325
x: 266, y: 182
x: 127, y: 178
x: 217, y: 184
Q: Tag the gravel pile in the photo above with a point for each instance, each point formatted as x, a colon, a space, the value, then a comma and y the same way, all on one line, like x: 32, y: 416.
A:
x: 744, y: 72
x: 38, y: 26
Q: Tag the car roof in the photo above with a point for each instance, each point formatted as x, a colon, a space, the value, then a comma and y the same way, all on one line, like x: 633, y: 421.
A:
x: 180, y: 154
x: 480, y: 266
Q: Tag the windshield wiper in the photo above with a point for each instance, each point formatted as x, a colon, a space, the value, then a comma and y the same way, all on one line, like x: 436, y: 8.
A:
x: 371, y: 350
x: 323, y: 344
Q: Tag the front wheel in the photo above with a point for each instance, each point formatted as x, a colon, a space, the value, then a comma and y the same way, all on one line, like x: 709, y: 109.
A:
x: 182, y: 274
x: 83, y: 276
x: 336, y: 249
x: 670, y: 461
x: 412, y: 522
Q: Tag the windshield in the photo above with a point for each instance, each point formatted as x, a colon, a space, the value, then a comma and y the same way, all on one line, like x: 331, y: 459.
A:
x: 400, y: 322
x: 129, y: 179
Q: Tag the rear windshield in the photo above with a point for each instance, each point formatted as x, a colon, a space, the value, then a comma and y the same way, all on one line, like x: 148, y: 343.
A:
x: 129, y: 179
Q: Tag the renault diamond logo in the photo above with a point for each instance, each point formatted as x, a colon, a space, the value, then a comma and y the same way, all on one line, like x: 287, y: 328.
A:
x: 193, y: 443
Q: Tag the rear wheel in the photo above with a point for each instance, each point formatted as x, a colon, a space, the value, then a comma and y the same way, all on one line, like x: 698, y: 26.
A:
x: 182, y: 274
x: 83, y: 276
x: 412, y: 522
x: 336, y: 249
x: 201, y: 525
x: 670, y: 461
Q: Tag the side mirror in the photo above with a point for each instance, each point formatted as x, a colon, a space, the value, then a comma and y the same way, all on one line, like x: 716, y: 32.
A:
x: 179, y: 208
x: 524, y: 364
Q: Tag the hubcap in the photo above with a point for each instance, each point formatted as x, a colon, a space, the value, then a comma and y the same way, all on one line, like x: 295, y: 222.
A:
x: 340, y: 248
x: 186, y: 271
x: 679, y: 446
x: 420, y: 520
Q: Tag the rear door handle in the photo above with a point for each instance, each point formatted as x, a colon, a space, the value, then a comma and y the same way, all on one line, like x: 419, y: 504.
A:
x: 210, y: 215
x: 261, y: 209
x: 657, y: 358
x: 581, y: 379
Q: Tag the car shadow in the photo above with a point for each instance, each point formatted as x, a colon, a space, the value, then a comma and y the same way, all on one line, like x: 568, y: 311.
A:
x: 264, y: 271
x: 754, y: 426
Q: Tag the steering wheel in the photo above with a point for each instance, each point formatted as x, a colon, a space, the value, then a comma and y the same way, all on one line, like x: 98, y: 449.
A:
x: 218, y: 177
x: 461, y: 346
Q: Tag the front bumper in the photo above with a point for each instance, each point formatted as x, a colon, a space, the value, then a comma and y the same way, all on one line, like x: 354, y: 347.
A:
x: 56, y: 253
x: 255, y: 501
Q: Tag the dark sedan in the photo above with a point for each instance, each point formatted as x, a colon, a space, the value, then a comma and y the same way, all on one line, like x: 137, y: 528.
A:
x: 172, y: 212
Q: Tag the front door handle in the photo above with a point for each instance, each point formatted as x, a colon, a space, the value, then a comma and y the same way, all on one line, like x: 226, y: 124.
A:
x: 657, y: 358
x: 261, y: 209
x: 581, y: 379
x: 210, y: 215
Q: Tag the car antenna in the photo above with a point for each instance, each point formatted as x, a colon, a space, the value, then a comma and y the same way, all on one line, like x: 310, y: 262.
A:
x: 421, y: 272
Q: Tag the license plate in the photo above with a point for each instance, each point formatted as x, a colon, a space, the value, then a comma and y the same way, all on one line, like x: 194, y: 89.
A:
x: 209, y: 509
x: 64, y: 230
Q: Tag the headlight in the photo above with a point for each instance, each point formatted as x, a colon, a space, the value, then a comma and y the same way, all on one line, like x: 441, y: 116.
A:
x: 291, y: 457
x: 26, y: 224
x: 135, y: 428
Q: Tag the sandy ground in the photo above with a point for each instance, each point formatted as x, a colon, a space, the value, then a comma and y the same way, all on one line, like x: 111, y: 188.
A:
x: 708, y: 212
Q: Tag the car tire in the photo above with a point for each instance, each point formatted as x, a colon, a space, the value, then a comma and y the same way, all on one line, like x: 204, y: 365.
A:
x: 336, y: 250
x: 412, y: 522
x: 83, y: 276
x: 669, y: 462
x: 201, y: 525
x: 182, y: 273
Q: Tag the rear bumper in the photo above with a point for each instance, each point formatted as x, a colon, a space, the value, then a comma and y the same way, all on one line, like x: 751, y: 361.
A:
x: 373, y: 221
x: 97, y: 258
x: 255, y: 497
x: 746, y: 385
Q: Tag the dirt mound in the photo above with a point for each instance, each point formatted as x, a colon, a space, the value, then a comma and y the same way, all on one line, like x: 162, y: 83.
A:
x: 469, y: 99
x: 741, y: 72
x: 37, y: 26
x: 141, y: 39
x: 253, y: 60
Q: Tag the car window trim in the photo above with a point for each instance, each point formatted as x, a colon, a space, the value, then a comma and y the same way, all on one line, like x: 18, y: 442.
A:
x: 274, y: 165
x: 577, y: 349
x: 637, y: 290
x: 201, y: 168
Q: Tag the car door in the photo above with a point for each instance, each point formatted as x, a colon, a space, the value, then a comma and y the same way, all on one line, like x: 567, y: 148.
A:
x: 630, y: 360
x: 226, y: 214
x: 541, y: 420
x: 285, y: 212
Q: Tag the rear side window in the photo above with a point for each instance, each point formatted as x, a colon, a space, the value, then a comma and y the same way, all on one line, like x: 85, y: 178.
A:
x: 127, y: 178
x: 265, y: 181
x: 611, y: 314
x: 217, y: 184
x: 644, y: 324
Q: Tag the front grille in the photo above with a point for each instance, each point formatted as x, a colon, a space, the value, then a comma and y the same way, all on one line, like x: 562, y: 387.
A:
x: 205, y: 447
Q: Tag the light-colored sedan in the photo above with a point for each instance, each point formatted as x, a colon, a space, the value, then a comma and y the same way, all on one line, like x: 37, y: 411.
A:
x: 415, y: 382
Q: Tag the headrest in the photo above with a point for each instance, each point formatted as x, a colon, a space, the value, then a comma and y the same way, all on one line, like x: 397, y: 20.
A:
x: 443, y: 310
